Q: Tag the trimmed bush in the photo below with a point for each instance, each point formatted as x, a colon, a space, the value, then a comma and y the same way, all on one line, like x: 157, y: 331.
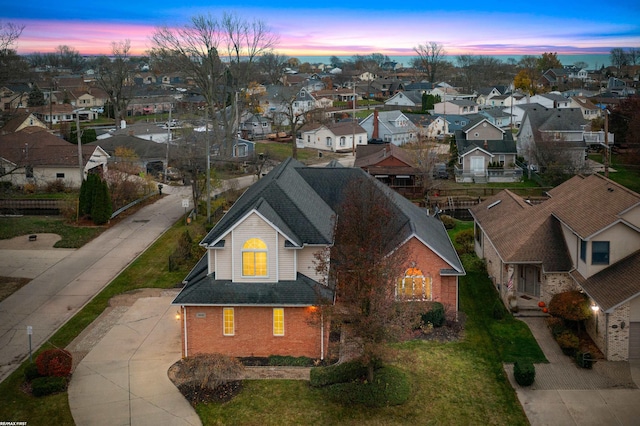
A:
x: 448, y: 221
x: 524, y: 372
x: 556, y: 326
x: 464, y: 240
x: 390, y: 387
x: 48, y: 385
x: 570, y: 305
x: 338, y: 373
x: 435, y: 315
x: 568, y: 342
x: 54, y: 362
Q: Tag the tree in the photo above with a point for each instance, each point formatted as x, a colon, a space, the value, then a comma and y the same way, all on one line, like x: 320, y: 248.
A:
x: 523, y: 82
x: 548, y: 61
x: 430, y: 58
x: 68, y: 57
x: 113, y: 77
x: 618, y: 58
x: 365, y: 262
x: 624, y: 122
x: 291, y: 114
x: 87, y: 193
x: 101, y: 206
x: 36, y: 97
x: 9, y: 35
x: 272, y: 66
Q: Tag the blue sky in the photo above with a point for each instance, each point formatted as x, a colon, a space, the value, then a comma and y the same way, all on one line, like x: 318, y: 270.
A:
x: 392, y: 28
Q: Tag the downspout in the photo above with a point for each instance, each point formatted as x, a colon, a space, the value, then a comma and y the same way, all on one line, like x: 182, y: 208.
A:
x: 184, y: 321
x: 322, y: 336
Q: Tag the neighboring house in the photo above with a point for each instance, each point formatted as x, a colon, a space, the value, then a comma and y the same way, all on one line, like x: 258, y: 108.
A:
x: 486, y: 93
x: 554, y: 77
x: 486, y: 153
x: 553, y: 136
x: 551, y: 100
x: 392, y: 166
x: 456, y: 107
x: 257, y: 291
x: 585, y: 237
x: 150, y: 156
x: 518, y: 111
x: 14, y: 96
x: 154, y: 132
x: 390, y: 126
x: 429, y: 126
x: 498, y: 117
x: 456, y: 122
x: 255, y: 126
x: 242, y: 148
x: 61, y: 113
x: 589, y: 110
x: 334, y: 137
x: 35, y: 156
x: 407, y: 99
x: 20, y: 121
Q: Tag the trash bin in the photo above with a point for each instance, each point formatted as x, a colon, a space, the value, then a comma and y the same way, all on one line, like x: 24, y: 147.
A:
x: 585, y: 360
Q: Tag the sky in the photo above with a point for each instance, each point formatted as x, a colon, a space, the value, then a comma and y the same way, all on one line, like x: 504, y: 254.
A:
x: 393, y: 28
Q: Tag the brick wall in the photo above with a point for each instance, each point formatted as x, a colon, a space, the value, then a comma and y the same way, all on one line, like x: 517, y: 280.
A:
x: 618, y: 337
x: 254, y: 332
x: 555, y: 283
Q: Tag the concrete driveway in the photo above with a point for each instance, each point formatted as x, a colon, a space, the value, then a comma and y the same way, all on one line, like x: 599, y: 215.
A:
x: 123, y: 379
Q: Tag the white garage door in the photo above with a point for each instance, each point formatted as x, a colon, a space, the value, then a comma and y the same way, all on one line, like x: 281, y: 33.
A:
x: 634, y: 340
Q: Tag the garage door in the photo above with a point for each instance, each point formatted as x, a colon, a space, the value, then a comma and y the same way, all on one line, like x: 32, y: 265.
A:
x: 634, y: 340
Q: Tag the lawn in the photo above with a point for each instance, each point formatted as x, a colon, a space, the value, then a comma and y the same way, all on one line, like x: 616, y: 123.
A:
x: 72, y: 236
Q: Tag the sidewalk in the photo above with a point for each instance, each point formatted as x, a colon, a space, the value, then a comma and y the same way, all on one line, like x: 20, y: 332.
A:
x: 71, y: 278
x: 565, y: 394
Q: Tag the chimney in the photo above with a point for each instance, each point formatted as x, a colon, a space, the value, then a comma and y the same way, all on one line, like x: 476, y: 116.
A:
x: 375, y: 124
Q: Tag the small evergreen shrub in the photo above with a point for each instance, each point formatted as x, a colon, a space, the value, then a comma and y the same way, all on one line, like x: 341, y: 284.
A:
x: 54, y: 362
x: 31, y: 372
x: 390, y: 387
x: 568, y: 342
x: 435, y: 315
x: 338, y: 373
x: 524, y: 372
x: 464, y: 241
x: 48, y: 385
x: 556, y: 326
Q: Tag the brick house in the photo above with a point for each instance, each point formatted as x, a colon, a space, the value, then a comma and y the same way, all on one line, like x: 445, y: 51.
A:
x: 585, y: 237
x: 256, y: 292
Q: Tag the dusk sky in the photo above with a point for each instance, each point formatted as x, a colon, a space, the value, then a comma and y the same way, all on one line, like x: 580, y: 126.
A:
x: 390, y: 27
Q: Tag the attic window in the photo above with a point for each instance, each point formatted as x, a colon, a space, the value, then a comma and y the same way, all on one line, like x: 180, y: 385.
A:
x: 495, y: 203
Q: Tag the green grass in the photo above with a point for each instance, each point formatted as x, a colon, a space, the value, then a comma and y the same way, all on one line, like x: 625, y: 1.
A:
x: 149, y: 270
x: 72, y: 236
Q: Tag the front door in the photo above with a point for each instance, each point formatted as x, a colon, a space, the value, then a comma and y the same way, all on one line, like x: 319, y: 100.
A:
x: 477, y: 165
x: 529, y: 280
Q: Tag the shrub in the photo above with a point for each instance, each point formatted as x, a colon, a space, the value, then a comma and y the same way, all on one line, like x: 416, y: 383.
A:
x: 448, y: 221
x: 208, y: 370
x: 55, y: 186
x: 464, y: 239
x: 292, y: 361
x: 568, y: 342
x: 556, y: 326
x: 338, y: 373
x: 524, y: 372
x: 435, y: 316
x: 31, y: 372
x: 570, y: 305
x: 499, y: 310
x: 390, y: 387
x: 54, y: 362
x: 101, y: 209
x: 47, y: 385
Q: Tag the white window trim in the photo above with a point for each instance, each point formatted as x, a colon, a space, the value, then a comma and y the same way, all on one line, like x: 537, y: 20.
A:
x: 244, y: 250
x: 233, y: 314
x: 274, y: 322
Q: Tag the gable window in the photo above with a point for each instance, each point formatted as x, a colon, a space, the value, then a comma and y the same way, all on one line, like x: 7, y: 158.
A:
x: 254, y: 258
x: 600, y: 253
x: 414, y: 286
x: 228, y: 323
x: 583, y: 250
x: 278, y: 321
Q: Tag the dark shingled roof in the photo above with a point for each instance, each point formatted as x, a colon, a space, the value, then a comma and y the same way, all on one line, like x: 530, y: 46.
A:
x: 301, y: 202
x: 303, y: 291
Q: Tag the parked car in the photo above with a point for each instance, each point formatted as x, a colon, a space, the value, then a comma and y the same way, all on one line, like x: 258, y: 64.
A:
x: 440, y: 171
x: 99, y: 110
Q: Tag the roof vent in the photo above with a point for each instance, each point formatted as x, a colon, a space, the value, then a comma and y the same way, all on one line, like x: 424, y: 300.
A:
x: 610, y: 189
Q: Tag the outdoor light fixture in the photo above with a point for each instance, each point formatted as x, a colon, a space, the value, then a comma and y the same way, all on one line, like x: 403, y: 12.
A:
x: 178, y: 314
x: 594, y: 307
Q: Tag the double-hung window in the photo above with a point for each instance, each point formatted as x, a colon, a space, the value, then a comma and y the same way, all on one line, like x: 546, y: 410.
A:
x: 600, y: 253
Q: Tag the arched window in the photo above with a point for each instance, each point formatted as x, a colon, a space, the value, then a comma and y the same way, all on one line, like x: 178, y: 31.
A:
x: 254, y: 258
x: 414, y: 286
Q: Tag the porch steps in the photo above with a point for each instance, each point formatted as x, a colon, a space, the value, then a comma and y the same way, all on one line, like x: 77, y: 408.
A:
x: 529, y: 312
x: 480, y: 179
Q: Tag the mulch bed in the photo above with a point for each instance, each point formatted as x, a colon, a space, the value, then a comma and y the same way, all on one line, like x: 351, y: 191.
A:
x: 223, y: 393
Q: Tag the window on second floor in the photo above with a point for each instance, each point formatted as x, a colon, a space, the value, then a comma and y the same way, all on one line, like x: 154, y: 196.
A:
x: 254, y: 258
x: 583, y: 250
x: 600, y: 253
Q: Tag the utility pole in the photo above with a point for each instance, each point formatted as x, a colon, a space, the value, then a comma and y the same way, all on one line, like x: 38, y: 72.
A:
x: 353, y: 124
x: 208, y: 171
x: 606, y: 143
x: 79, y: 139
x: 166, y: 164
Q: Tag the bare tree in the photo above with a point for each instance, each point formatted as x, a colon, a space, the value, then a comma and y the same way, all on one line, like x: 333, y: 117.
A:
x: 619, y: 58
x: 430, y: 57
x: 365, y: 263
x: 9, y: 35
x: 291, y: 114
x: 272, y: 66
x: 219, y: 54
x: 114, y: 78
